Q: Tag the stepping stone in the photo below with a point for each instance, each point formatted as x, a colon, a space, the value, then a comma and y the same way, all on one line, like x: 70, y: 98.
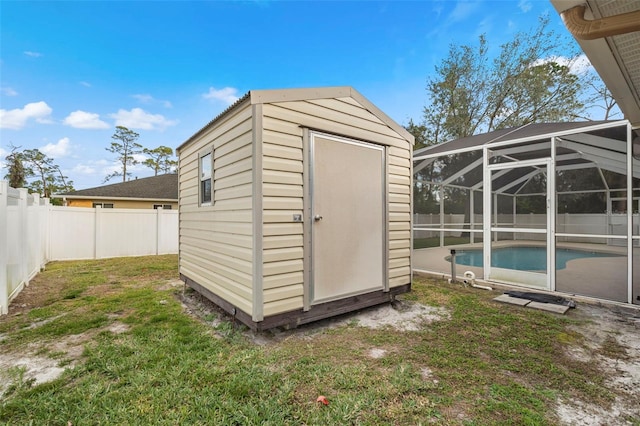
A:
x: 505, y: 298
x: 549, y: 307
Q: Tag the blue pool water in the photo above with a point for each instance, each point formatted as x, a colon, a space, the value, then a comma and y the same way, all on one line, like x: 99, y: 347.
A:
x: 524, y: 258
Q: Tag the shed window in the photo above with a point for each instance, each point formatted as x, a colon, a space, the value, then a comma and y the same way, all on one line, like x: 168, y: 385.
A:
x: 162, y: 206
x: 103, y: 205
x: 206, y: 179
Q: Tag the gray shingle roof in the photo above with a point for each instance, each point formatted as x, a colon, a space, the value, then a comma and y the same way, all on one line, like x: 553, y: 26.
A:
x: 162, y: 187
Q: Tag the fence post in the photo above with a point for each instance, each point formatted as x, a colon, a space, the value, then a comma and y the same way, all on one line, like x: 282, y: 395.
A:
x: 46, y: 249
x: 4, y: 247
x: 98, y: 211
x: 24, y: 236
x: 158, y: 228
x: 34, y: 225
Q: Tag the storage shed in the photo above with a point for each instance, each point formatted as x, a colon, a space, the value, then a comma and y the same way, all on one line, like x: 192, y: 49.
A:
x: 295, y: 205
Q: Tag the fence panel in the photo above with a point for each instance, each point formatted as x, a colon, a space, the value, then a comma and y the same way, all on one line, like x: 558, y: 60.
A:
x: 168, y: 231
x: 72, y: 234
x: 84, y: 233
x: 22, y: 240
x: 32, y: 232
x: 127, y: 232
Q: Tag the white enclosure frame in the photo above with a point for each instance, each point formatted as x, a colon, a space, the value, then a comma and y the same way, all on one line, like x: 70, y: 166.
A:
x: 584, y: 146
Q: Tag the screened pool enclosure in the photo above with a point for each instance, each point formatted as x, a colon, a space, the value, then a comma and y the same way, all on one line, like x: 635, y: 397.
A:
x: 544, y: 206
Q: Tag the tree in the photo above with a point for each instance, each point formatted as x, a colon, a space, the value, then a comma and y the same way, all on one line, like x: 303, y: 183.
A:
x: 160, y: 160
x: 601, y: 99
x: 48, y: 176
x: 476, y: 90
x: 472, y: 93
x: 125, y: 146
x: 16, y: 175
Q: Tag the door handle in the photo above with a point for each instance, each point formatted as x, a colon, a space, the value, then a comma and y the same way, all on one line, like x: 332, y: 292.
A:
x: 317, y: 218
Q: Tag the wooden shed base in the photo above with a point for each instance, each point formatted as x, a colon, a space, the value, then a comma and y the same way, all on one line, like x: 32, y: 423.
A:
x: 299, y: 317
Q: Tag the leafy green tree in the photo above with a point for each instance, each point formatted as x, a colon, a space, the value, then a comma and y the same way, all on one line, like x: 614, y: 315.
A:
x: 48, y: 176
x: 160, y: 159
x: 124, y: 145
x: 472, y: 93
x: 16, y: 173
x: 424, y: 197
x: 477, y: 90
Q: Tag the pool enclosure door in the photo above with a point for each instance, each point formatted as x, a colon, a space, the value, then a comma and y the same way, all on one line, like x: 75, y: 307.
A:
x: 348, y: 217
x: 502, y: 231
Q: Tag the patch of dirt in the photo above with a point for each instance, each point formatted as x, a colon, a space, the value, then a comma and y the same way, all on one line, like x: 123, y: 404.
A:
x: 172, y: 284
x: 611, y: 341
x: 37, y: 294
x: 400, y: 315
x: 376, y: 353
x: 30, y: 368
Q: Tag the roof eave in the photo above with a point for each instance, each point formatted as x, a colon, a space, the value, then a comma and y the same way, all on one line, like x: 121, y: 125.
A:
x: 102, y: 197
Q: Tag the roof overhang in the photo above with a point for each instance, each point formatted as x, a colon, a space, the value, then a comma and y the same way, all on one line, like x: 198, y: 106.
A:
x: 608, y: 33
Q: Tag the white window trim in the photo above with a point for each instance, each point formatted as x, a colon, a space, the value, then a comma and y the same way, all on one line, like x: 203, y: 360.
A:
x: 202, y: 178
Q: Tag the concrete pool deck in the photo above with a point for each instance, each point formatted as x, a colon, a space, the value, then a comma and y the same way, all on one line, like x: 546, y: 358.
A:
x: 601, y: 278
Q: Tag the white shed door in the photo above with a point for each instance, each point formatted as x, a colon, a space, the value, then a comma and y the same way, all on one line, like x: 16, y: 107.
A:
x: 348, y: 217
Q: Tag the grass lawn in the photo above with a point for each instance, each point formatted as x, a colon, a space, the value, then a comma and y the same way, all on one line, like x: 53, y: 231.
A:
x: 486, y: 364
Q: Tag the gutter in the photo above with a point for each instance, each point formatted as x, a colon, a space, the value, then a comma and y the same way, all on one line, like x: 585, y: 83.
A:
x: 584, y: 29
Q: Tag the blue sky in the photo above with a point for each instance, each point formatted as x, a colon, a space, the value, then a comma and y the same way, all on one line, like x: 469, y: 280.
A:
x: 71, y: 71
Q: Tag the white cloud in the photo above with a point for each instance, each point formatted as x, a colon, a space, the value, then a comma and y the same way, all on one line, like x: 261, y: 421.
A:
x: 463, y: 10
x: 83, y: 169
x: 139, y: 157
x: 56, y: 150
x: 85, y: 120
x: 33, y: 54
x: 148, y: 99
x: 227, y: 95
x: 138, y: 118
x: 3, y: 164
x: 525, y: 5
x: 8, y: 91
x: 85, y: 84
x: 145, y: 99
x: 17, y: 118
x: 578, y: 65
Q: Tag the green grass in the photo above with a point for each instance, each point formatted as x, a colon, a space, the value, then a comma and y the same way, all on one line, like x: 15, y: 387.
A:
x: 487, y: 364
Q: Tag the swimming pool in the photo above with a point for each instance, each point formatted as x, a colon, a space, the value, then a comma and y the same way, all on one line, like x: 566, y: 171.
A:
x: 523, y: 258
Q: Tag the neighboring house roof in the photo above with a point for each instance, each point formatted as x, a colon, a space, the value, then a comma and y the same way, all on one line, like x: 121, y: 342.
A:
x: 162, y: 187
x: 255, y: 97
x: 607, y: 32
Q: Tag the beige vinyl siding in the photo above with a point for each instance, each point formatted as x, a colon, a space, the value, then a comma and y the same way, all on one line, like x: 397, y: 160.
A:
x: 216, y: 245
x: 400, y: 181
x: 283, y: 190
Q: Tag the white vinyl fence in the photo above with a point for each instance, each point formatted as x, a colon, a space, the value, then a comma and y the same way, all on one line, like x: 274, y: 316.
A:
x: 33, y: 232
